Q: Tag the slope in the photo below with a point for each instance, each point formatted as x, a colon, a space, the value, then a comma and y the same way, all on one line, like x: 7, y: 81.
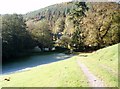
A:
x: 104, y: 64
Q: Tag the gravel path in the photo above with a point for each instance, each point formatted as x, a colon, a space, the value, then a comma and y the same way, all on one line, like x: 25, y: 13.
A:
x: 93, y: 80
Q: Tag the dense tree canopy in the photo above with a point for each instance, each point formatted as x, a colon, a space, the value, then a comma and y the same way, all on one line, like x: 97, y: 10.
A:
x: 73, y: 25
x: 87, y: 24
x: 101, y: 24
x: 42, y: 34
x: 15, y: 37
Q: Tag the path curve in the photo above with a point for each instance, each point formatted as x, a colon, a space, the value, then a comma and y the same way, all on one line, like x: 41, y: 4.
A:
x: 93, y: 80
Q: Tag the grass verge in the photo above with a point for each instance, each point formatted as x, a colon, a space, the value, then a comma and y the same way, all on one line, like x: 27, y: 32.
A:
x: 65, y: 73
x: 104, y: 64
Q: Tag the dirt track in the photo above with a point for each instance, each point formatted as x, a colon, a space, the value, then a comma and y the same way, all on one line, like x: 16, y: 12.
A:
x: 93, y: 80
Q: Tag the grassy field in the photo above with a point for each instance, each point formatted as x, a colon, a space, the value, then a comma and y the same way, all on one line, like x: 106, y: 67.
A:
x: 66, y: 73
x: 104, y: 64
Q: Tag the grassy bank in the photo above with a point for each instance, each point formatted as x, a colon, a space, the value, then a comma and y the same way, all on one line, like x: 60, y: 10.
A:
x: 65, y: 73
x: 104, y: 64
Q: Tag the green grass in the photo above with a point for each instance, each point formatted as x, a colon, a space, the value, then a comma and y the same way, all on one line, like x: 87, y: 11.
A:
x: 65, y: 73
x: 104, y: 64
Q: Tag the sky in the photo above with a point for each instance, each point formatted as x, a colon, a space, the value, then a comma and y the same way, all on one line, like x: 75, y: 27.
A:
x: 24, y: 6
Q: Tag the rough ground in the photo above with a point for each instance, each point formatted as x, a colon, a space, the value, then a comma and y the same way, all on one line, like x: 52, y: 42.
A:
x: 93, y: 80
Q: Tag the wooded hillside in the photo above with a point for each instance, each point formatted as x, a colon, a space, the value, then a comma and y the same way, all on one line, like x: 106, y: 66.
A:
x: 77, y: 26
x: 86, y: 24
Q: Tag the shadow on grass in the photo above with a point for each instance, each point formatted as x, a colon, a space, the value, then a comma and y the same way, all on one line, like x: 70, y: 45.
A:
x: 32, y: 61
